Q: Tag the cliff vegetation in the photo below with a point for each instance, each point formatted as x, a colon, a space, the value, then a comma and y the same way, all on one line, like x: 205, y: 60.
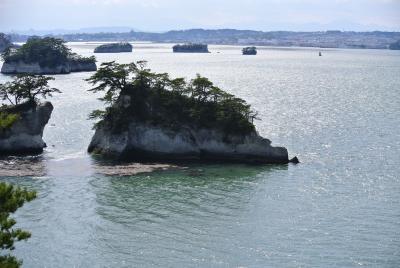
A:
x: 22, y: 94
x: 133, y: 91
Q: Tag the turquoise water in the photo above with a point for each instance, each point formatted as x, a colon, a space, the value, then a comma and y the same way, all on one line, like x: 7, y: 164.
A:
x: 339, y: 113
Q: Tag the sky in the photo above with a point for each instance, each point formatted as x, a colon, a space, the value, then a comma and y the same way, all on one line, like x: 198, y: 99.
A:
x: 163, y: 15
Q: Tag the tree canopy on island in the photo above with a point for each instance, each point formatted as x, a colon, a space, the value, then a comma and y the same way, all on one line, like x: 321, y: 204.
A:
x: 158, y: 99
x: 27, y: 88
x: 22, y: 93
x: 11, y: 198
x: 47, y: 51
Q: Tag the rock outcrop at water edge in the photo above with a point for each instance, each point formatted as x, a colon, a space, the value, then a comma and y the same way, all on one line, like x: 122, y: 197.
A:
x: 24, y: 136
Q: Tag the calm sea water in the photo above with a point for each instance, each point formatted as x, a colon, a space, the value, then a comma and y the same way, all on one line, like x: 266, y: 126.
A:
x: 339, y: 113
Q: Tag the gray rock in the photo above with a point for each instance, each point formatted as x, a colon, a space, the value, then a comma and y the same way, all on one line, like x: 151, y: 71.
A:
x: 148, y: 142
x: 25, y: 135
x: 294, y: 160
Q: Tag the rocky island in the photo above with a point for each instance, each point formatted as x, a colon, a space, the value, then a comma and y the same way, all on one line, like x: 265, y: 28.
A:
x: 23, y: 120
x: 190, y: 48
x: 45, y: 56
x: 249, y: 51
x: 152, y: 117
x: 395, y: 45
x: 113, y: 48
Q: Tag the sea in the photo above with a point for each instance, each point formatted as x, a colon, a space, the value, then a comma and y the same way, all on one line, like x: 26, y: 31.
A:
x: 339, y: 113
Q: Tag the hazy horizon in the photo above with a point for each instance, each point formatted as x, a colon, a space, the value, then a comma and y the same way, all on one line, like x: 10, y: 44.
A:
x: 161, y: 15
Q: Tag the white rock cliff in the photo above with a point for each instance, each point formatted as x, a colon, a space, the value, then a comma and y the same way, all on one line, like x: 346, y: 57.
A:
x: 25, y: 135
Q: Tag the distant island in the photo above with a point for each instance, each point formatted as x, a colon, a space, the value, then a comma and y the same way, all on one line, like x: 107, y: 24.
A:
x: 151, y: 117
x: 113, y: 48
x: 395, y: 45
x: 45, y: 56
x: 249, y: 51
x: 323, y: 39
x: 190, y: 48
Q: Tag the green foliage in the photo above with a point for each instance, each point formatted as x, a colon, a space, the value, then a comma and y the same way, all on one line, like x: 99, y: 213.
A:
x: 27, y: 88
x: 7, y: 120
x: 9, y: 262
x: 133, y: 91
x: 11, y: 198
x: 47, y: 51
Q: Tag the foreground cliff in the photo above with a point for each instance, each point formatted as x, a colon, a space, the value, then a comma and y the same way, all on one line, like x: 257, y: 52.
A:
x: 45, y: 56
x: 24, y: 134
x: 153, y: 117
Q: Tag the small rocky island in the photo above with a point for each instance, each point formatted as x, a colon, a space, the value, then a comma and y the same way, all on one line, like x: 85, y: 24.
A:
x: 395, y: 45
x: 113, y: 48
x: 45, y: 56
x: 152, y: 117
x: 190, y: 48
x: 23, y: 120
x: 249, y: 51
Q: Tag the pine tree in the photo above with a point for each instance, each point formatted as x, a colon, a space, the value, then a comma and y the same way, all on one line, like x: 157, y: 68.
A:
x: 11, y: 198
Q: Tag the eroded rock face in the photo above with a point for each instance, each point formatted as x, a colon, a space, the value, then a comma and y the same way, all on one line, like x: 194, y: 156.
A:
x: 25, y: 135
x: 147, y: 142
x: 35, y: 68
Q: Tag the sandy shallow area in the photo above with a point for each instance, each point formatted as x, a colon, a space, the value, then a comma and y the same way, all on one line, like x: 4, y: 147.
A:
x: 39, y: 167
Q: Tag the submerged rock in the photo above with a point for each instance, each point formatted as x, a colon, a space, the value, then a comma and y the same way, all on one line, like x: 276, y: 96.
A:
x: 150, y: 142
x: 24, y: 136
x: 113, y: 48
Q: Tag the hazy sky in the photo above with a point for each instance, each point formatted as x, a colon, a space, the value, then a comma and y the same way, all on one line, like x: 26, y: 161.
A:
x: 161, y: 15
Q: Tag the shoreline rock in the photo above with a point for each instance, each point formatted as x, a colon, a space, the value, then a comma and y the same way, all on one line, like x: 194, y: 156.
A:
x: 146, y: 142
x: 25, y: 135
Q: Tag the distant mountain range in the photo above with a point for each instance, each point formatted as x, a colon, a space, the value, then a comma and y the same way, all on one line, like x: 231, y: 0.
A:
x: 323, y: 39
